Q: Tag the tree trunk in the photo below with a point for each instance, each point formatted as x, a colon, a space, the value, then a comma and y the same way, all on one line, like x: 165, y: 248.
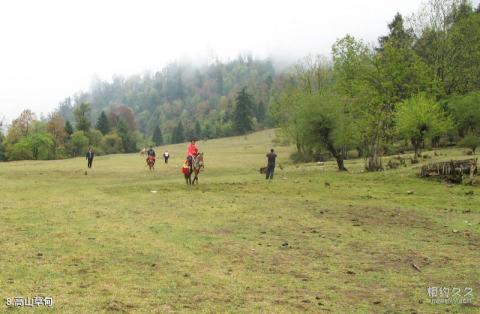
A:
x: 341, y: 166
x: 373, y: 163
x: 416, y: 146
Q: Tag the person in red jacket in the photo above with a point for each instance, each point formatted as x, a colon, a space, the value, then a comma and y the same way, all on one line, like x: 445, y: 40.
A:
x: 192, y: 151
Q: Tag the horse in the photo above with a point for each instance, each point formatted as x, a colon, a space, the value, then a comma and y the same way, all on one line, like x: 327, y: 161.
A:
x: 197, y: 164
x: 151, y: 162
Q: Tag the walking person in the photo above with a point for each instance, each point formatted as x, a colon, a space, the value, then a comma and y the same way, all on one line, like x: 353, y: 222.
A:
x: 166, y: 155
x: 271, y: 164
x: 89, y: 157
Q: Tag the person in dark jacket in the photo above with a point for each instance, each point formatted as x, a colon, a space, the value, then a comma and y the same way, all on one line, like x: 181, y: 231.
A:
x: 89, y: 157
x: 271, y: 164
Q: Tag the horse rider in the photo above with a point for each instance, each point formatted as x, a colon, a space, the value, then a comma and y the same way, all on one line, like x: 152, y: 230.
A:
x: 192, y: 151
x: 150, y: 154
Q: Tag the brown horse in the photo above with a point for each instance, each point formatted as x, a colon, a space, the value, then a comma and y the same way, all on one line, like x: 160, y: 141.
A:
x: 151, y: 162
x: 197, y: 164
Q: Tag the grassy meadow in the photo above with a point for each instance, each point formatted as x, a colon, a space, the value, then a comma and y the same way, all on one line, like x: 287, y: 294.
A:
x: 121, y: 239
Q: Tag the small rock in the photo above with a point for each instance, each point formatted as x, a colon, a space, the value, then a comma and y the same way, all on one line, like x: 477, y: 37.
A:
x: 153, y: 192
x: 455, y: 231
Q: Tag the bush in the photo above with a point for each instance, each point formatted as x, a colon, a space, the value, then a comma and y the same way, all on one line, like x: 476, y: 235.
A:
x: 301, y: 157
x: 79, y: 143
x: 471, y: 141
x: 112, y: 143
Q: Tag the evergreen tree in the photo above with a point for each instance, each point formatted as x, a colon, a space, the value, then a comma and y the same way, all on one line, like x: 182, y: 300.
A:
x: 68, y: 128
x: 157, y: 137
x: 242, y: 115
x: 198, y: 129
x: 128, y: 139
x: 180, y: 133
x: 82, y: 120
x: 261, y: 112
x: 102, y: 123
x: 173, y: 139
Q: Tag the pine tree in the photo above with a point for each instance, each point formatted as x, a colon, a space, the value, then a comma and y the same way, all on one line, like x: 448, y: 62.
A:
x: 82, y: 120
x: 261, y: 112
x: 198, y: 130
x: 102, y: 123
x: 173, y: 140
x: 157, y: 137
x: 68, y: 128
x: 180, y: 136
x: 242, y: 115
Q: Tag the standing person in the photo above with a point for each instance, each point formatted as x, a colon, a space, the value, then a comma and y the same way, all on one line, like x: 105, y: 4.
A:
x: 192, y: 151
x: 271, y: 164
x: 89, y: 157
x: 166, y: 155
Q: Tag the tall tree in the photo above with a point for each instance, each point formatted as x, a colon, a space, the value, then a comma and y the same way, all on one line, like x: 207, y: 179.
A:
x: 358, y: 83
x: 102, y: 123
x: 329, y: 125
x: 243, y: 113
x: 179, y: 134
x: 157, y: 137
x: 82, y: 117
x: 21, y: 126
x: 198, y: 130
x: 56, y: 128
x: 68, y: 128
x: 261, y: 112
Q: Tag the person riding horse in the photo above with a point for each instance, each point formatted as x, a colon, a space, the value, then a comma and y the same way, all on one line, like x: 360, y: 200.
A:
x: 193, y: 163
x: 192, y: 152
x: 150, y: 157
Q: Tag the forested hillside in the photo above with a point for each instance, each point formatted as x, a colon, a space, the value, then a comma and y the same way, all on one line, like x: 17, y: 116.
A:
x: 200, y: 100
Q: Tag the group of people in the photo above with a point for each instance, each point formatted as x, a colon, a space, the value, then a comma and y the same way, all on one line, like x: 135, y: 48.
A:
x: 151, y: 155
x: 192, y: 152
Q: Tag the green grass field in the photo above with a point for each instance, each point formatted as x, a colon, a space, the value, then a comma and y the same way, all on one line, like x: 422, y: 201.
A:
x: 105, y: 242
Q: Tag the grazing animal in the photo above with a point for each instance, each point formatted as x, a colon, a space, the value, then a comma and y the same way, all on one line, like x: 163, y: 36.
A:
x: 151, y: 163
x: 197, y: 164
x: 143, y: 151
x: 327, y: 185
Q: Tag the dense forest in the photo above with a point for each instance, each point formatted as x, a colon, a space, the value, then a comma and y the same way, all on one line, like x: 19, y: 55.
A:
x: 418, y: 86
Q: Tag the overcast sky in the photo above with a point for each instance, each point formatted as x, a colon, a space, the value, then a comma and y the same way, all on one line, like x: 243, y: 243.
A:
x: 52, y: 49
